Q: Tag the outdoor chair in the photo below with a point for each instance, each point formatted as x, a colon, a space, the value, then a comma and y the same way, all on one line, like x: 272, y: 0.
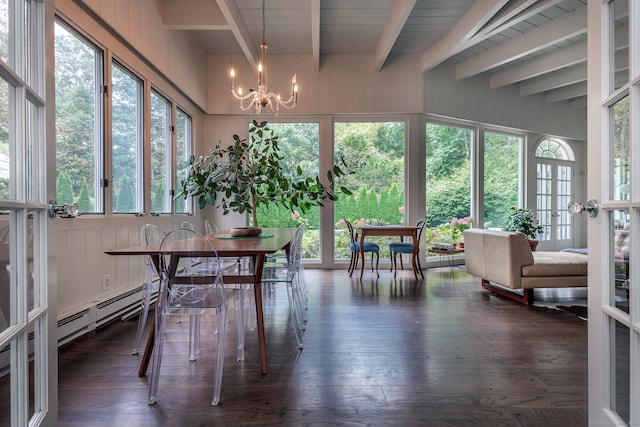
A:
x: 401, y: 248
x: 354, y: 248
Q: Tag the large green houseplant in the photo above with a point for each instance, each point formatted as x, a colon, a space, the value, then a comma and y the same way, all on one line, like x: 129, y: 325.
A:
x: 524, y: 221
x: 248, y: 174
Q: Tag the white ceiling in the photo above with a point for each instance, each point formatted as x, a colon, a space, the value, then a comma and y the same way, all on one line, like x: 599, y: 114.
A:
x: 540, y: 45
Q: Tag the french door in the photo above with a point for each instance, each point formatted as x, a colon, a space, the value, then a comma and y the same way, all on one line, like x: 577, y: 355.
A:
x: 554, y: 191
x: 614, y: 175
x: 27, y: 306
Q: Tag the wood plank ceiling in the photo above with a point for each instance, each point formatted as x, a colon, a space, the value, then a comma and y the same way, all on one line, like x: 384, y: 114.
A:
x: 539, y: 45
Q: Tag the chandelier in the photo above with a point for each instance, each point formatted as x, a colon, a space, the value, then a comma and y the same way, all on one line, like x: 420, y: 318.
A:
x: 262, y: 98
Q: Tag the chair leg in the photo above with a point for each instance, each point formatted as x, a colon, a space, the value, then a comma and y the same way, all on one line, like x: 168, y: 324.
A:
x: 142, y: 321
x: 377, y: 262
x: 352, y: 263
x: 222, y: 336
x: 238, y: 307
x: 419, y: 266
x: 157, y: 357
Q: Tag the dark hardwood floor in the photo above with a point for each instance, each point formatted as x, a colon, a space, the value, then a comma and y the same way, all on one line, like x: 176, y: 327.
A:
x: 440, y: 352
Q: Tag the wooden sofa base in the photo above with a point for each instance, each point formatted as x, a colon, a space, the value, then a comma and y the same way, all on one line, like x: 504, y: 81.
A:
x: 526, y: 298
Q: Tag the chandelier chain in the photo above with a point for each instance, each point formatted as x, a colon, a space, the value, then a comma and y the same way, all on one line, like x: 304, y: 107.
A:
x: 264, y: 39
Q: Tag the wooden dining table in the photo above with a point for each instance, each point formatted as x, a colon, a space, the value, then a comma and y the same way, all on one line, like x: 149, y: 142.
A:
x: 391, y: 230
x: 257, y: 248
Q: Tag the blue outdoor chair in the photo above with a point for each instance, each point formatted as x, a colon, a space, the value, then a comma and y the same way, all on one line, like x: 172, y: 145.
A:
x: 406, y: 248
x: 354, y: 247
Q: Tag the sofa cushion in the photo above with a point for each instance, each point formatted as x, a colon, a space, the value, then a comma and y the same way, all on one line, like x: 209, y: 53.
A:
x: 556, y: 264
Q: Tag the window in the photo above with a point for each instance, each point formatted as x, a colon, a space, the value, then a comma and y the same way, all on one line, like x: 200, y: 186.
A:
x: 502, y: 183
x: 299, y: 145
x: 160, y: 153
x: 183, y: 153
x: 126, y: 140
x: 78, y: 80
x: 374, y: 152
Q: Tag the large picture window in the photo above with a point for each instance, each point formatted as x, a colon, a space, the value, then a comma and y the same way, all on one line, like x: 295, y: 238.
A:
x: 299, y: 145
x: 374, y: 152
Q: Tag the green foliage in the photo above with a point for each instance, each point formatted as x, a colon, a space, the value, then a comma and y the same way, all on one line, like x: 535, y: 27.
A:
x: 125, y: 200
x: 64, y: 189
x: 4, y: 188
x: 84, y: 201
x: 524, y: 221
x: 157, y: 197
x: 249, y: 175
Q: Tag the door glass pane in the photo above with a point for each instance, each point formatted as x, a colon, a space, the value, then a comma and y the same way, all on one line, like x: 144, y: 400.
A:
x: 501, y: 177
x: 374, y: 152
x: 4, y: 31
x: 78, y: 72
x: 6, y: 129
x: 126, y: 138
x: 30, y: 172
x: 620, y: 150
x: 5, y: 386
x: 544, y: 180
x: 31, y: 263
x: 5, y: 268
x: 160, y: 153
x: 299, y: 145
x: 619, y: 283
x: 183, y: 153
x: 619, y: 48
x: 620, y: 373
x: 563, y: 197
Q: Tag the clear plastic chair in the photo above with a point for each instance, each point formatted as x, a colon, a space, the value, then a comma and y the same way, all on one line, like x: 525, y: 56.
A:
x: 291, y: 272
x: 210, y: 227
x: 354, y: 248
x: 150, y: 234
x: 193, y: 291
x: 406, y: 248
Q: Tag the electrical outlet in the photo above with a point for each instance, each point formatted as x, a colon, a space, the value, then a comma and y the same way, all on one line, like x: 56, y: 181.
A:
x: 106, y: 282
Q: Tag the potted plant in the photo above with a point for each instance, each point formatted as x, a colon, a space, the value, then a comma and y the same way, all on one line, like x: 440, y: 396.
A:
x: 248, y: 174
x: 524, y: 221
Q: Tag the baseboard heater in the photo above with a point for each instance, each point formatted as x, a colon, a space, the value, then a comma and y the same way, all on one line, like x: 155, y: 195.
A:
x: 91, y: 316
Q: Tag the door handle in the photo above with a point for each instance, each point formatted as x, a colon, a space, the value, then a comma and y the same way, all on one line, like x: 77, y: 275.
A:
x: 591, y: 207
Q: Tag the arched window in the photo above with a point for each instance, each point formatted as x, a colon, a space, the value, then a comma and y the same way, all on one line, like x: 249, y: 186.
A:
x: 552, y: 148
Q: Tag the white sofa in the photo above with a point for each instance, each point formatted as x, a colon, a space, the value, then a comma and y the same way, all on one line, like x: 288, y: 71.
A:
x: 505, y: 263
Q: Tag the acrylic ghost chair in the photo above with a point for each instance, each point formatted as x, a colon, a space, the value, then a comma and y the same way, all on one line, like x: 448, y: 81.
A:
x: 407, y: 248
x: 290, y: 271
x: 150, y: 234
x: 354, y: 248
x: 196, y: 292
x: 226, y: 266
x: 236, y: 266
